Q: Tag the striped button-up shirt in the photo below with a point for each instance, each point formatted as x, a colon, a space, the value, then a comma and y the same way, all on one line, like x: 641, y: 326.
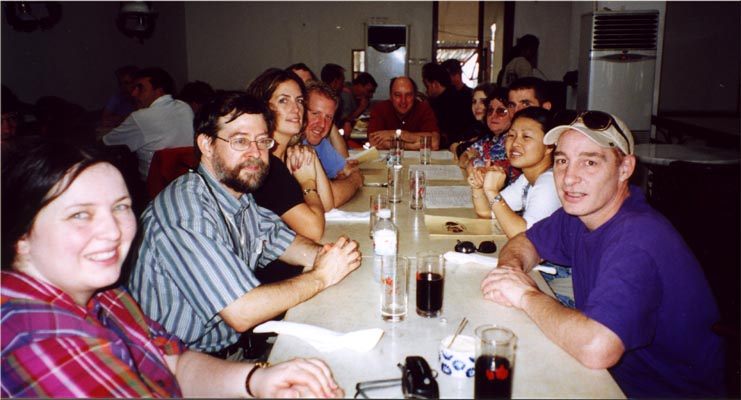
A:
x: 200, y: 247
x: 53, y: 347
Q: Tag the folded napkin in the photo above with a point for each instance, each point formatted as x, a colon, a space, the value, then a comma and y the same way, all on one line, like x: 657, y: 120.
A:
x: 366, y: 155
x: 324, y: 339
x: 462, y: 258
x: 347, y: 216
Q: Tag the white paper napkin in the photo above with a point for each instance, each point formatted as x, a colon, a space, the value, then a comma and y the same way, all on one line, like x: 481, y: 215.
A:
x: 462, y: 258
x: 347, y: 216
x: 366, y: 155
x: 323, y: 339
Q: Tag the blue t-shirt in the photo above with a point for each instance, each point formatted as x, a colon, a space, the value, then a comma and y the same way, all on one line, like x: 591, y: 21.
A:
x: 635, y: 275
x: 332, y: 161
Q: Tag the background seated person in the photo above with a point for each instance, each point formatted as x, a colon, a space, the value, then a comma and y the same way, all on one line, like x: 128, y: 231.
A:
x: 297, y: 188
x: 67, y: 331
x: 120, y: 104
x: 345, y: 176
x: 204, y: 237
x: 302, y: 71
x: 356, y: 99
x: 644, y: 309
x: 528, y: 92
x: 534, y: 192
x: 161, y: 122
x: 402, y: 111
x: 490, y: 146
x: 196, y: 94
x: 478, y: 124
x: 452, y: 109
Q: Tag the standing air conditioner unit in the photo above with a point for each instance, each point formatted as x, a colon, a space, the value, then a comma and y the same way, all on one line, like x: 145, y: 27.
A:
x: 617, y: 62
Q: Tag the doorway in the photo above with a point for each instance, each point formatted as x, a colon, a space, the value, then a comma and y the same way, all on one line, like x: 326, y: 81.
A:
x: 478, y: 34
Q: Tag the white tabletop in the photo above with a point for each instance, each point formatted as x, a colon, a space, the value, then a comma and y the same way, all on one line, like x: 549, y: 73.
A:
x: 665, y: 154
x: 542, y: 369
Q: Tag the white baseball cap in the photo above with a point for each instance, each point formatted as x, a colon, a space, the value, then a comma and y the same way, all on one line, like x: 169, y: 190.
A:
x: 604, y: 129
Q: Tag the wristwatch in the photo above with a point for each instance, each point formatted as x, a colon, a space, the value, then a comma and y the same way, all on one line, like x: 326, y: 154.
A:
x: 496, y: 200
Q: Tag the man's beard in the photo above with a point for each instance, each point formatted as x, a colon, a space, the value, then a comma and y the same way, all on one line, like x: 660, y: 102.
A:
x: 231, y: 178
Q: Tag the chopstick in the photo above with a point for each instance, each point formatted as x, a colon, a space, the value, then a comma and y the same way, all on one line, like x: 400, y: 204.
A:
x: 458, y: 331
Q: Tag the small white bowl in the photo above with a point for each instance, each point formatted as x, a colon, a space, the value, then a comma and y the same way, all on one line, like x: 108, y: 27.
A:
x: 458, y: 361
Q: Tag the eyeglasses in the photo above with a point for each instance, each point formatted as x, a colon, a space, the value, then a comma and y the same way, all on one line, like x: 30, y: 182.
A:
x: 487, y: 246
x: 242, y: 144
x: 499, y: 111
x: 597, y: 120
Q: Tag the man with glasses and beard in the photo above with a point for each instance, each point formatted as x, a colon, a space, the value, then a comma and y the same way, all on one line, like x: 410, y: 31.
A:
x: 644, y: 309
x: 204, y: 236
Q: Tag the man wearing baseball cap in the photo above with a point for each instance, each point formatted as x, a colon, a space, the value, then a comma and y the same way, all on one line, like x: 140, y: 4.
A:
x: 643, y: 306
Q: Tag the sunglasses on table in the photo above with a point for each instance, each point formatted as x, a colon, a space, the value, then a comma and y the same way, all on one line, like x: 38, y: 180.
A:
x: 595, y: 120
x: 487, y: 247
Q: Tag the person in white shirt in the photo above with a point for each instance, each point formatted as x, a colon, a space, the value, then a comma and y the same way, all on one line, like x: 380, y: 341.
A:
x: 534, y: 192
x: 160, y: 122
x: 524, y: 63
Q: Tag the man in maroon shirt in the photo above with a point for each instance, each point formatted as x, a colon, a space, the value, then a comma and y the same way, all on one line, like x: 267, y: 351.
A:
x: 402, y: 112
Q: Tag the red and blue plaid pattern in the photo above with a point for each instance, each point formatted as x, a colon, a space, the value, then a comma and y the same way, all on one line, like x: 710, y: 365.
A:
x: 52, y: 347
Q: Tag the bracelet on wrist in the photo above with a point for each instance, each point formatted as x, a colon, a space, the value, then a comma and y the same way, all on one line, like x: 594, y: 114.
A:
x: 307, y: 191
x: 249, y: 376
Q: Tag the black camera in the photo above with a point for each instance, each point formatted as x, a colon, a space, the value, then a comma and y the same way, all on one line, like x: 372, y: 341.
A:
x: 417, y: 381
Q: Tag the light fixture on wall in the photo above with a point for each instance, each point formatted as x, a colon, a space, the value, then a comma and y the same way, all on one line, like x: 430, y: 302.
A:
x: 136, y: 19
x: 26, y: 16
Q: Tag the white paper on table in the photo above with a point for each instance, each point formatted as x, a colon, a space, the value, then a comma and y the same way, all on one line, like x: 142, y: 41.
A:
x: 462, y: 258
x: 440, y: 172
x: 364, y: 155
x: 441, y: 155
x: 347, y: 216
x: 448, y: 196
x: 323, y: 339
x: 434, y: 155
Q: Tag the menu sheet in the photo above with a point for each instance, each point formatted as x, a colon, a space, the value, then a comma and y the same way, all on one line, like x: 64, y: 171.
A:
x: 448, y: 197
x: 440, y: 172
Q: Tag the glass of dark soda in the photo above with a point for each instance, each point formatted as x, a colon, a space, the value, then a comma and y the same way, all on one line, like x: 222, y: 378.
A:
x: 430, y: 284
x: 495, y: 362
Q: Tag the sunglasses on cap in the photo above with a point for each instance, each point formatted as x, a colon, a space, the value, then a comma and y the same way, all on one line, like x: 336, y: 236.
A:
x: 499, y: 111
x: 595, y: 120
x: 487, y: 246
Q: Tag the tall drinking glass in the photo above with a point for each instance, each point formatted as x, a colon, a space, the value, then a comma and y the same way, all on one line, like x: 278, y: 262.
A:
x: 495, y: 362
x: 394, y: 285
x: 430, y: 283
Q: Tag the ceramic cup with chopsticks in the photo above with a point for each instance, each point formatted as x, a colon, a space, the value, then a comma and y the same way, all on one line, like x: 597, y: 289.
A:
x: 458, y: 360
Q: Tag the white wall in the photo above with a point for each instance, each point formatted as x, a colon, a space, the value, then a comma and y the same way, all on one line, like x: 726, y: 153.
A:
x: 550, y: 21
x: 75, y: 59
x: 230, y: 43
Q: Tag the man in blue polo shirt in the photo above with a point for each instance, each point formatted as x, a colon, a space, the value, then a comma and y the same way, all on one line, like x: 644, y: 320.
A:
x: 644, y: 309
x: 345, y: 176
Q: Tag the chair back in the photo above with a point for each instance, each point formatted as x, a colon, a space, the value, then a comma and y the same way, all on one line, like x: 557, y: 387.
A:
x: 167, y: 165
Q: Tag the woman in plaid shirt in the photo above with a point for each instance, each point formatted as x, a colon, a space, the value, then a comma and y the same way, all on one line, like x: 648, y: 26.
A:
x: 67, y: 330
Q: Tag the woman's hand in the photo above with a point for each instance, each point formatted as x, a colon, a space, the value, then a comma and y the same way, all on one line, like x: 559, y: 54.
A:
x: 300, y: 162
x: 476, y: 177
x: 465, y: 159
x: 494, y: 181
x: 299, y: 377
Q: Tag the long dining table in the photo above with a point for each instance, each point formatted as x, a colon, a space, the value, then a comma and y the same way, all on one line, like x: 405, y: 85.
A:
x: 542, y: 369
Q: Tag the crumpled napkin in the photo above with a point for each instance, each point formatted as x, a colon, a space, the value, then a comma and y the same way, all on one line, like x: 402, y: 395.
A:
x: 347, y: 216
x: 462, y: 258
x: 323, y: 339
